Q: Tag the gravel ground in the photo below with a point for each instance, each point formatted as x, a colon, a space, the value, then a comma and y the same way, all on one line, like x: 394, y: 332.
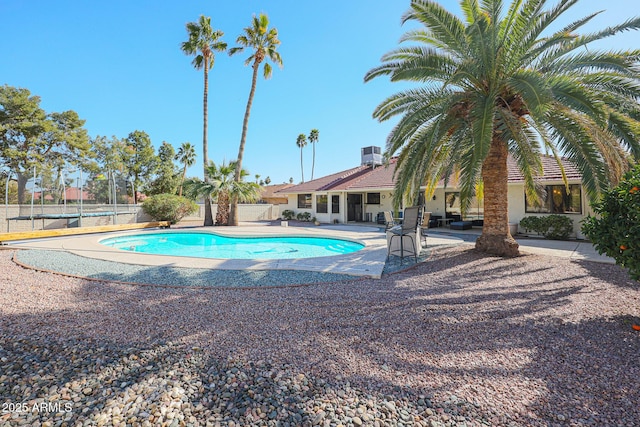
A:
x: 460, y: 340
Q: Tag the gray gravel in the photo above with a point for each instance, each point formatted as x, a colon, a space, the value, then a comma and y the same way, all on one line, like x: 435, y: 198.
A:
x: 75, y: 265
x: 460, y: 340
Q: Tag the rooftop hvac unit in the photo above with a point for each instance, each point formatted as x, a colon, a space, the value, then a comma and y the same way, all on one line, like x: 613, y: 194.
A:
x: 371, y: 156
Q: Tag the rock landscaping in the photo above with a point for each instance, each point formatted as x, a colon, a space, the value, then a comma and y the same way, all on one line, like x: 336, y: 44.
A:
x: 459, y: 340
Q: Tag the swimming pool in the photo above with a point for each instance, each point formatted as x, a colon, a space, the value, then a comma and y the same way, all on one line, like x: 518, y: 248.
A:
x: 208, y: 245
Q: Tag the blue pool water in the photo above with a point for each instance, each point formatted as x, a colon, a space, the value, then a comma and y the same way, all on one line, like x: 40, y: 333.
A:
x: 206, y: 245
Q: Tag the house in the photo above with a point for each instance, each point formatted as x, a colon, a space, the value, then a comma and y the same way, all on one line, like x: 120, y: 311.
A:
x: 269, y: 195
x: 72, y: 195
x: 361, y: 193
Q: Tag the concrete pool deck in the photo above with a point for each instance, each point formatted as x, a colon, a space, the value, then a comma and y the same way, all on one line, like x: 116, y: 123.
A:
x: 367, y: 262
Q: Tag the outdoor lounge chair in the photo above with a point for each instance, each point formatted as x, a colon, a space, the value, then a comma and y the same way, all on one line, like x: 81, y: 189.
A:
x: 426, y: 218
x: 389, y: 221
x: 408, y: 229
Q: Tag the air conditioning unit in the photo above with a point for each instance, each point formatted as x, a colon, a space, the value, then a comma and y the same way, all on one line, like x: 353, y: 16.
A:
x: 371, y: 156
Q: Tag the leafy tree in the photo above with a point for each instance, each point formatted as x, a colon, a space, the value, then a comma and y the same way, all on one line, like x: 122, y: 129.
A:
x: 12, y: 187
x: 314, y: 135
x: 203, y: 42
x: 140, y: 159
x: 30, y: 137
x: 222, y: 186
x: 110, y: 166
x: 263, y: 42
x: 187, y: 157
x: 498, y: 84
x: 615, y: 231
x: 167, y: 179
x: 301, y: 142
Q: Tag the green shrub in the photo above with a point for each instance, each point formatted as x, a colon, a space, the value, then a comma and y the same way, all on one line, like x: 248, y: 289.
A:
x: 531, y: 223
x: 558, y: 227
x: 288, y: 214
x: 168, y: 207
x: 304, y: 216
x: 615, y: 232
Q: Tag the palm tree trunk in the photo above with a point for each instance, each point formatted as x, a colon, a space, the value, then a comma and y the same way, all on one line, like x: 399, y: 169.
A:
x: 208, y: 215
x: 222, y: 215
x: 184, y: 175
x: 313, y: 160
x: 233, y: 218
x: 496, y: 238
x: 301, y: 166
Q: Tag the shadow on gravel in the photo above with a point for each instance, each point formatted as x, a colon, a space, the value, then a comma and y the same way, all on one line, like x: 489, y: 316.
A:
x: 613, y: 274
x: 516, y: 342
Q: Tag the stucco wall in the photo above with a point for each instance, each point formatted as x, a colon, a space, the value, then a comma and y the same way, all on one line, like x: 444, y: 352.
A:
x: 126, y: 215
x: 246, y: 212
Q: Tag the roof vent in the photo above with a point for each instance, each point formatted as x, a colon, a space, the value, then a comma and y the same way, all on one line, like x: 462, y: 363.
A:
x: 371, y: 156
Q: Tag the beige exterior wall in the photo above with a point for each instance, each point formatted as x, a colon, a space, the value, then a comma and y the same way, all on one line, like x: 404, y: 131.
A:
x: 437, y: 206
x: 246, y: 212
x: 517, y: 207
x: 373, y: 209
x: 126, y: 215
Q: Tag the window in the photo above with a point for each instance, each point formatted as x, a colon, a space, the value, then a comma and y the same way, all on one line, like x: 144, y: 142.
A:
x: 322, y: 202
x: 558, y: 200
x: 335, y: 204
x: 304, y: 201
x: 373, y: 198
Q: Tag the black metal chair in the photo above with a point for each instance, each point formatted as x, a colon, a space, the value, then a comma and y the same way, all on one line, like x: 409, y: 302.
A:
x: 409, y: 228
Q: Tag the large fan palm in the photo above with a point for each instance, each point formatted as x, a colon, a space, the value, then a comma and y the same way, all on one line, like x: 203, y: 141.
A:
x: 187, y: 156
x: 264, y: 44
x: 497, y: 83
x: 222, y: 187
x: 203, y: 42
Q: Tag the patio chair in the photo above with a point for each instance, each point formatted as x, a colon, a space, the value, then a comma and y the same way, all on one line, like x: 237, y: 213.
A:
x: 408, y: 228
x: 389, y: 221
x: 426, y: 218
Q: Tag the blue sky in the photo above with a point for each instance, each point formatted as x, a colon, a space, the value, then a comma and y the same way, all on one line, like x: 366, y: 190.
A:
x: 118, y: 64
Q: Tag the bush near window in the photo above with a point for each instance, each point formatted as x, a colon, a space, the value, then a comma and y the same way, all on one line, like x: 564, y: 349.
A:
x: 304, y: 216
x: 168, y: 207
x: 288, y: 214
x: 557, y: 227
x: 615, y: 231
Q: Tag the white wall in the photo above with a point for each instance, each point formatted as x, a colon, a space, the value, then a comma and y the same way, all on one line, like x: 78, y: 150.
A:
x: 517, y: 207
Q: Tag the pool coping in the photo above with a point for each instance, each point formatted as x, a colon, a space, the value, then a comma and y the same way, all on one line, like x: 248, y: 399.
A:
x: 367, y: 262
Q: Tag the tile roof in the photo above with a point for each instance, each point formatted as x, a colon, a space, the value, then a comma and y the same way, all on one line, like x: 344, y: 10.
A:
x: 381, y: 177
x: 361, y: 177
x: 551, y: 170
x: 270, y: 190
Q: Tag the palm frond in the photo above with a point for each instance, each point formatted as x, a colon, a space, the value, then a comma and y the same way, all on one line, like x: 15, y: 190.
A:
x: 443, y: 25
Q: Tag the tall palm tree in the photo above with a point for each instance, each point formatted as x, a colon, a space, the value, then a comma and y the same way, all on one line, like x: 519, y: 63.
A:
x: 203, y: 42
x: 301, y: 142
x: 187, y: 156
x: 263, y: 42
x: 500, y: 84
x: 313, y: 138
x: 222, y: 187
